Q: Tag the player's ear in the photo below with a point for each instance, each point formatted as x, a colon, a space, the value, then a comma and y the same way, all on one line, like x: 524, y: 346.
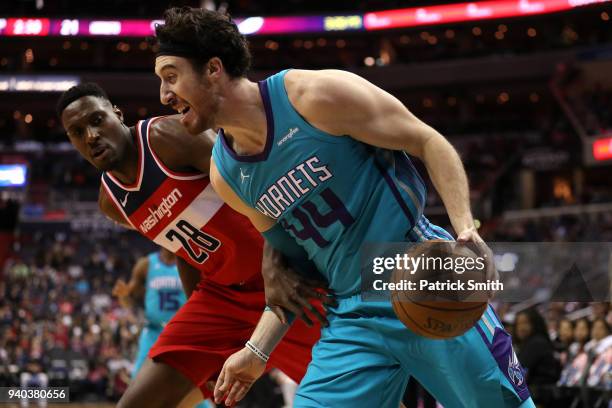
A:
x: 118, y: 112
x: 214, y: 67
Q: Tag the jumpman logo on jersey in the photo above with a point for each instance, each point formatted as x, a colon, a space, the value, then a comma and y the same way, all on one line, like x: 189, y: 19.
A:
x: 124, y: 201
x: 243, y: 176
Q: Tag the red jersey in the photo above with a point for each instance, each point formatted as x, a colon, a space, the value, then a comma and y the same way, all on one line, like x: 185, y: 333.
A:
x: 182, y: 213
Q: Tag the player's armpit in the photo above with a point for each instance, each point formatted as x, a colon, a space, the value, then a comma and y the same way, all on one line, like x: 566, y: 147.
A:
x: 259, y: 221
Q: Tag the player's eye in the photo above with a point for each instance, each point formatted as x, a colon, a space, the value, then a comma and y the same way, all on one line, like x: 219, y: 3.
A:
x: 97, y: 120
x: 74, y: 133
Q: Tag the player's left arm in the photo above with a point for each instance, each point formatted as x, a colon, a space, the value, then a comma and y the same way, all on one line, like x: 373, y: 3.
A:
x: 342, y: 103
x: 244, y: 367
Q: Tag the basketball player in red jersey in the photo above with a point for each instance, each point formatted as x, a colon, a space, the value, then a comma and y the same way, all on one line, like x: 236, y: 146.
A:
x: 155, y: 181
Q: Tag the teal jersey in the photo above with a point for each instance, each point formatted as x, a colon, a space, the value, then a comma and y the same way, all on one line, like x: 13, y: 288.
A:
x: 332, y: 194
x: 164, y: 293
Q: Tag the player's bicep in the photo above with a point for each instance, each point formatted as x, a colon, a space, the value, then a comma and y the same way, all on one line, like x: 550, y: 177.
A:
x: 259, y: 221
x: 346, y: 104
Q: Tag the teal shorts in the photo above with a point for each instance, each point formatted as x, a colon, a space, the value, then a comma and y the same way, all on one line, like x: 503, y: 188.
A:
x: 366, y: 356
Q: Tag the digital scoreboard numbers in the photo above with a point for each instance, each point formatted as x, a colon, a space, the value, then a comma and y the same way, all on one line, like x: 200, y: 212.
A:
x: 28, y: 26
x: 454, y: 12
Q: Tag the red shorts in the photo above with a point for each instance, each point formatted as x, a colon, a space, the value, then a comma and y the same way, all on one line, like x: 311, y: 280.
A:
x: 214, y: 323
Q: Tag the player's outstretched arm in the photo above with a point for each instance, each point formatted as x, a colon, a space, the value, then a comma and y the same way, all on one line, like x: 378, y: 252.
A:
x: 135, y: 288
x: 244, y: 367
x: 342, y: 103
x: 292, y: 281
x: 284, y: 287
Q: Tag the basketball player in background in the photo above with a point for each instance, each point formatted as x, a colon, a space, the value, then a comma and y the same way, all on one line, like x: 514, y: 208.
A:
x: 155, y: 180
x: 155, y: 283
x: 322, y: 155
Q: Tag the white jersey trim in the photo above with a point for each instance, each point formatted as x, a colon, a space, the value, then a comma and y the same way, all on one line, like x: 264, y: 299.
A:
x: 141, y: 165
x: 117, y: 204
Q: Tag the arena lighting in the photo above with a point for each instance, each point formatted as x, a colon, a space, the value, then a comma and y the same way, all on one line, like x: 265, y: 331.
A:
x: 13, y: 175
x: 37, y: 83
x: 461, y: 12
x: 602, y: 149
x: 257, y: 25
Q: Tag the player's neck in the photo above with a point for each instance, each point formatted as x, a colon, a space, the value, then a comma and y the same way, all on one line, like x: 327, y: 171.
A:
x: 167, y: 258
x: 126, y: 170
x: 242, y: 115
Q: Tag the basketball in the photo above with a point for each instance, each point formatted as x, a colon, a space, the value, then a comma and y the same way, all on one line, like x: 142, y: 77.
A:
x: 443, y: 313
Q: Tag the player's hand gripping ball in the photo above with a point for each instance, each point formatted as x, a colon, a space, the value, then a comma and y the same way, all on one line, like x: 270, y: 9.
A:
x: 441, y: 311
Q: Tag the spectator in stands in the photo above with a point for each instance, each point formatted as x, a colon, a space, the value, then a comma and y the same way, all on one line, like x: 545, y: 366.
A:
x: 34, y: 377
x: 575, y: 370
x: 600, y: 330
x: 535, y: 349
x: 563, y: 340
x: 600, y: 353
x: 54, y: 326
x: 601, y: 310
x: 582, y: 333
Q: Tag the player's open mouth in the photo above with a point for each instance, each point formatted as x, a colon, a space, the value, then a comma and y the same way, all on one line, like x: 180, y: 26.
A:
x: 187, y: 115
x: 98, y: 152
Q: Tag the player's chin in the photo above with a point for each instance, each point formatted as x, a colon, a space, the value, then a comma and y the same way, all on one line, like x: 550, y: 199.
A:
x: 195, y: 126
x: 104, y: 164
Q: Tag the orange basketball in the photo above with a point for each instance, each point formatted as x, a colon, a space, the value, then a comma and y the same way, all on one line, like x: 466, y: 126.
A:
x: 438, y: 318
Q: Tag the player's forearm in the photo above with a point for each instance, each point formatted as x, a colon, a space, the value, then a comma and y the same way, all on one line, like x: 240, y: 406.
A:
x: 268, y: 332
x: 448, y: 176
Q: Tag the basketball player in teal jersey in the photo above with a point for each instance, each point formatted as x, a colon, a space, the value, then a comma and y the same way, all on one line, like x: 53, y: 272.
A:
x: 321, y: 158
x: 155, y: 280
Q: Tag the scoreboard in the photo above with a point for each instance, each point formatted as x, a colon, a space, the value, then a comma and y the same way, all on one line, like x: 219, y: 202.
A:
x: 379, y: 20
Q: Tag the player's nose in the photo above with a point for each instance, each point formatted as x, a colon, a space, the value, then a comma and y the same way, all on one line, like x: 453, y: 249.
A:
x: 92, y: 135
x: 165, y: 95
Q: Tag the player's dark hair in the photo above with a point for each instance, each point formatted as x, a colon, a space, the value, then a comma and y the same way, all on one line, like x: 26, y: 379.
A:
x: 78, y: 91
x: 206, y: 34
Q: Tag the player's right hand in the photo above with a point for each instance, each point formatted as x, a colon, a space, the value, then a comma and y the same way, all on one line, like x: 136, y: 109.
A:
x: 287, y: 290
x: 480, y: 247
x: 121, y: 289
x: 237, y: 376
